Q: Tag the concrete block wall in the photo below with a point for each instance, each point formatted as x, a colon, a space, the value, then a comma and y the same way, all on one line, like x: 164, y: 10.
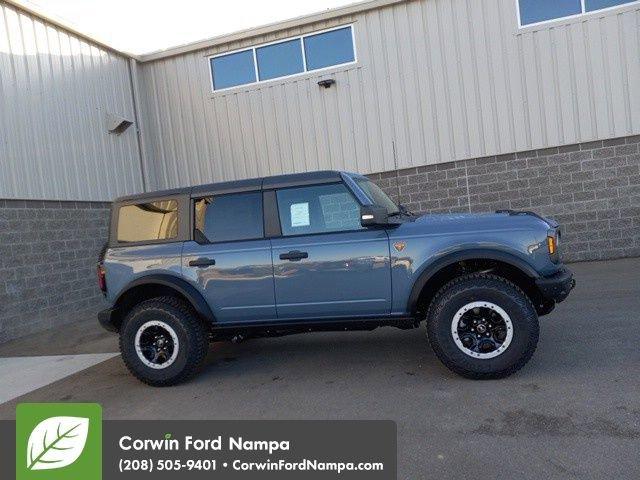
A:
x: 48, y: 254
x: 340, y: 211
x: 48, y: 250
x: 592, y: 189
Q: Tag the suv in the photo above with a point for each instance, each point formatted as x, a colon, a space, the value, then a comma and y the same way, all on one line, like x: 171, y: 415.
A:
x: 322, y: 251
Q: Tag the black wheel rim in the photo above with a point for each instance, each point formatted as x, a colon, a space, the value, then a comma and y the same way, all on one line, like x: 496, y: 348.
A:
x: 156, y: 344
x: 482, y: 330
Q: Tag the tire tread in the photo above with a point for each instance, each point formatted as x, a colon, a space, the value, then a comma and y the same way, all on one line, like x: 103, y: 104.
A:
x: 485, y: 280
x: 183, y: 314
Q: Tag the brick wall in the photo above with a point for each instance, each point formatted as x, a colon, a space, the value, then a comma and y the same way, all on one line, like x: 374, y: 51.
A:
x: 48, y: 253
x: 592, y: 189
x: 340, y: 211
x: 48, y: 250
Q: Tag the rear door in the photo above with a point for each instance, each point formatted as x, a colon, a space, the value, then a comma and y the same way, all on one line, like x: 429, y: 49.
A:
x: 325, y: 263
x: 229, y: 259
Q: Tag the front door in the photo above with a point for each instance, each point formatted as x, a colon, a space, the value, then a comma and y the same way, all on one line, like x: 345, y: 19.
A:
x: 230, y: 261
x: 325, y: 263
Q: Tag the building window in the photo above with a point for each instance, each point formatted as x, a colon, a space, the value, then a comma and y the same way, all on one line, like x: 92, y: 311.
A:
x: 280, y: 59
x: 536, y: 11
x: 233, y: 69
x: 591, y: 5
x: 329, y: 48
x: 145, y: 222
x: 228, y: 218
x: 291, y: 56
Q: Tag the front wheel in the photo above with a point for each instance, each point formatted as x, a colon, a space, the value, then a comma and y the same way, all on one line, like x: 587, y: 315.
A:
x: 482, y: 326
x: 162, y: 342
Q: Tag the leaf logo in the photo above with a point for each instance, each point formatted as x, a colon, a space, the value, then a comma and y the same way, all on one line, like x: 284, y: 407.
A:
x: 56, y: 442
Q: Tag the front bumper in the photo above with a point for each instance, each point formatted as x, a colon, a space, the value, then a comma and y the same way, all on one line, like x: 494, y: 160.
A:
x: 558, y: 286
x: 107, y: 319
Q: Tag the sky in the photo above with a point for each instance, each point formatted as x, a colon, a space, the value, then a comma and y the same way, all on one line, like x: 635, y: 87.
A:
x: 142, y: 26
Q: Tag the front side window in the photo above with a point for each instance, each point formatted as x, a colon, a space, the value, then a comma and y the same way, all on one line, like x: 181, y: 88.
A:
x: 377, y: 195
x: 292, y: 56
x: 534, y: 11
x: 145, y: 222
x: 317, y: 209
x: 227, y: 218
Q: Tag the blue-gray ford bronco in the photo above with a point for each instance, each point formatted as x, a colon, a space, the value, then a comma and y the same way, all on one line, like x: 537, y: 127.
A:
x: 322, y: 251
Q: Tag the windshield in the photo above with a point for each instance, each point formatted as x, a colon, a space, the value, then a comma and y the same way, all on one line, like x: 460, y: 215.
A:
x: 377, y: 196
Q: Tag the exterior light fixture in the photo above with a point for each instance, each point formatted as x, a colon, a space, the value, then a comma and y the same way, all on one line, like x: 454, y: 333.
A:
x: 327, y: 82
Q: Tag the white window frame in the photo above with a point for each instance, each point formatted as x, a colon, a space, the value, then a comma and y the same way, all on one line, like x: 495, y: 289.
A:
x: 569, y: 17
x: 254, y: 48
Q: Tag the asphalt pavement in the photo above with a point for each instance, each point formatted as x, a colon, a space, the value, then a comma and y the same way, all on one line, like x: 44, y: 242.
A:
x: 572, y: 412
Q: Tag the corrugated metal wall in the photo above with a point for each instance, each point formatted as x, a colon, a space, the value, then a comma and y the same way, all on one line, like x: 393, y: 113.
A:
x: 56, y: 90
x: 436, y: 80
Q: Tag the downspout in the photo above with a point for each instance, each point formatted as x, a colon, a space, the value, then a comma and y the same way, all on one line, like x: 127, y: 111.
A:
x: 133, y: 80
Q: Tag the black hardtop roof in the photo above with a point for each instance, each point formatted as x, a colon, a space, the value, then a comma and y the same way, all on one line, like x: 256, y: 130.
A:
x: 265, y: 183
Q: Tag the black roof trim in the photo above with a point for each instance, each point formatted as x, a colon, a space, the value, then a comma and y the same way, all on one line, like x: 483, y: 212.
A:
x: 300, y: 179
x: 227, y: 187
x: 153, y: 195
x: 267, y: 183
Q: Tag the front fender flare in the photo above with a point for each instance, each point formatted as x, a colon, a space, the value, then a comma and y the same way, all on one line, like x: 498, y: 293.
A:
x: 461, y: 255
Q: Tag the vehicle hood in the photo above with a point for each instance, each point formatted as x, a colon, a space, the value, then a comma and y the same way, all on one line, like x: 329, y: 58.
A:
x: 424, y: 239
x: 467, y: 222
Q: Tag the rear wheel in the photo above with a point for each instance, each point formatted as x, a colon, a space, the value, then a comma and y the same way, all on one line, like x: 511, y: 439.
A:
x: 482, y: 326
x: 162, y: 341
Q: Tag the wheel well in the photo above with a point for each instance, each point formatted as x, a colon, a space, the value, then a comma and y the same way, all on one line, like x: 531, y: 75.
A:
x: 464, y: 267
x: 140, y: 293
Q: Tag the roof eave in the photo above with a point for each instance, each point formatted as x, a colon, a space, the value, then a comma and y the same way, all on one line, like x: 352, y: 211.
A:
x: 267, y: 29
x: 48, y: 17
x: 329, y: 14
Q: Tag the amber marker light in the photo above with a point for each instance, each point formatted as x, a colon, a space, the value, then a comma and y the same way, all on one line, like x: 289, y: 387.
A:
x: 551, y: 245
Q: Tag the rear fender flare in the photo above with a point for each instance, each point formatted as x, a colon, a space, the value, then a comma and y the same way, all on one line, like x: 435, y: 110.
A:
x: 184, y: 288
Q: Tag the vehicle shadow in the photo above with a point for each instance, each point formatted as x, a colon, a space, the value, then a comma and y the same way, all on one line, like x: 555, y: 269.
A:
x: 324, y: 350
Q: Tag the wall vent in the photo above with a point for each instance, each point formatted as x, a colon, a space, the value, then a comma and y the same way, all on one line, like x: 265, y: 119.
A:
x: 117, y: 124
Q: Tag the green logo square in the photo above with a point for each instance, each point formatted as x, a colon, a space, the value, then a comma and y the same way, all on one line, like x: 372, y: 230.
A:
x: 59, y: 441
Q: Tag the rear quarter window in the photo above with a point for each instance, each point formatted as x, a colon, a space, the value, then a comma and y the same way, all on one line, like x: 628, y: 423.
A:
x: 143, y: 222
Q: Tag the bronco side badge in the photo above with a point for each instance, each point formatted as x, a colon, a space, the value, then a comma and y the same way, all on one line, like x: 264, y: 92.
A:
x: 399, y: 246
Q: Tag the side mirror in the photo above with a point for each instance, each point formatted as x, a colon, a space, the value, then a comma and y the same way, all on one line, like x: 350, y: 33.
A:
x: 373, y: 215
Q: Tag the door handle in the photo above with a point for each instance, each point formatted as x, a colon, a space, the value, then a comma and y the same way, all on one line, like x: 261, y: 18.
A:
x: 294, y: 255
x: 202, y: 262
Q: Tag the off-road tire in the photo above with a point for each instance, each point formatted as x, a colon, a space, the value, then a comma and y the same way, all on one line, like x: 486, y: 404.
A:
x: 491, y: 288
x: 191, y: 332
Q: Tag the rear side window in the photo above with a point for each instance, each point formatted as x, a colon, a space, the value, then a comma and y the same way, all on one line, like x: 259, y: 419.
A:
x: 226, y: 218
x: 145, y: 222
x: 318, y: 209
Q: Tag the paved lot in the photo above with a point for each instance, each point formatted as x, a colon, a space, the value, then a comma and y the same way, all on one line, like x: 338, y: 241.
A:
x: 572, y: 412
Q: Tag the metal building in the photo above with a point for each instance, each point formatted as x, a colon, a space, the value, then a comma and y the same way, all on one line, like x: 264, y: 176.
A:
x: 451, y: 105
x: 438, y: 80
x: 58, y: 93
